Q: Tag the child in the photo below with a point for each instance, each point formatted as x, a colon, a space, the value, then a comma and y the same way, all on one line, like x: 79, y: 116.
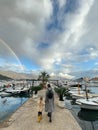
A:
x: 40, y: 109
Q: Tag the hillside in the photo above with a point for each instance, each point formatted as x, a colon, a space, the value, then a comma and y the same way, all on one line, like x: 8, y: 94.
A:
x: 2, y: 77
x: 89, y: 73
x: 15, y: 75
x: 94, y: 79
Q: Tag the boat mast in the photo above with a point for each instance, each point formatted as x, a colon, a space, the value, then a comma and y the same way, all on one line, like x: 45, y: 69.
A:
x: 86, y: 92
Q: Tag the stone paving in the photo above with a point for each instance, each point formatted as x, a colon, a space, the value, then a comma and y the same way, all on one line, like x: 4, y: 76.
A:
x: 25, y: 118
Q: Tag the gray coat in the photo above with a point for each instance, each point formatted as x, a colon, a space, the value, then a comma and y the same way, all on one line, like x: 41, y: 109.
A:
x: 49, y: 103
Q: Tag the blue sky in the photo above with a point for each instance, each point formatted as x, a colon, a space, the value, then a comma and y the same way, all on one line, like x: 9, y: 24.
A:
x: 58, y: 36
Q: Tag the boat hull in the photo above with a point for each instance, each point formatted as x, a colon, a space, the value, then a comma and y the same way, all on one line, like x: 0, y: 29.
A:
x: 90, y: 107
x: 91, y: 104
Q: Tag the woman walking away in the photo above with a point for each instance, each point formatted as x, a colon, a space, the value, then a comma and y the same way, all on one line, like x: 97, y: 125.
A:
x: 49, y: 102
x: 40, y: 109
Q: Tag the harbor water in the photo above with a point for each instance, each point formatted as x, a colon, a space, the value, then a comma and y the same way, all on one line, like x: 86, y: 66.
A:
x: 8, y: 105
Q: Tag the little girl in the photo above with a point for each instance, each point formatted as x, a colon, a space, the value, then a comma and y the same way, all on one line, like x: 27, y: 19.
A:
x: 40, y: 108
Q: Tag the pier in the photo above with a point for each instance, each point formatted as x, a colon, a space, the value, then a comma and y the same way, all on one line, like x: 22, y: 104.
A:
x: 25, y: 118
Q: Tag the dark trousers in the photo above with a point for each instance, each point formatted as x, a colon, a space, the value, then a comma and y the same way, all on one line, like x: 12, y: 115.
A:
x: 39, y: 113
x: 50, y: 116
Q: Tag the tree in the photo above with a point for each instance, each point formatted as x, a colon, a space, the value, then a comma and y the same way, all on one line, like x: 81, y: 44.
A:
x: 36, y: 88
x: 44, y: 76
x: 61, y: 91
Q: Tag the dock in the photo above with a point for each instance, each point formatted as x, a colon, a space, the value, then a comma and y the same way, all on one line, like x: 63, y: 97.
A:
x: 25, y: 118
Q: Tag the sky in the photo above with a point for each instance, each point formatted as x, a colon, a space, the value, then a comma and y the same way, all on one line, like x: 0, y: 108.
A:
x: 56, y: 36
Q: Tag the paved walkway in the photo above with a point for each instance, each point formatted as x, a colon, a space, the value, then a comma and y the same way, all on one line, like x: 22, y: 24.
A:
x: 25, y: 118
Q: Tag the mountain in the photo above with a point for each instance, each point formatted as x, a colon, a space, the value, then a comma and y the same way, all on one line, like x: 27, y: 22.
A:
x: 76, y: 75
x: 88, y: 73
x: 94, y: 79
x: 15, y: 75
x: 2, y: 77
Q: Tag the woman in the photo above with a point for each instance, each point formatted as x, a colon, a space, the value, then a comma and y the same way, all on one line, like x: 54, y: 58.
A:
x: 49, y: 102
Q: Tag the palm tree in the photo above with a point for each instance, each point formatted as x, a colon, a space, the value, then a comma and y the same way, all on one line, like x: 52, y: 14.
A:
x: 61, y: 91
x: 44, y: 76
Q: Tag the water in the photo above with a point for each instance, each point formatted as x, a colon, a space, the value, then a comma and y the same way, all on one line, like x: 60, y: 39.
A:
x: 94, y: 89
x: 87, y: 119
x: 10, y: 104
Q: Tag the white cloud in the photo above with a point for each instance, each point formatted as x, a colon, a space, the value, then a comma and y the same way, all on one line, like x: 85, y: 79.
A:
x: 67, y: 76
x: 61, y: 75
x: 12, y: 67
x: 23, y: 26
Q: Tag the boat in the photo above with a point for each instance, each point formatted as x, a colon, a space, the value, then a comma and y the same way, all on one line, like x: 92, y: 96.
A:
x: 17, y: 90
x: 77, y: 96
x: 1, y: 89
x: 4, y: 94
x: 82, y: 95
x: 76, y: 93
x: 90, y: 104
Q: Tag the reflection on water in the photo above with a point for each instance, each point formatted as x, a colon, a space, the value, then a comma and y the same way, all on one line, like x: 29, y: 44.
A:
x: 9, y: 104
x: 88, y: 115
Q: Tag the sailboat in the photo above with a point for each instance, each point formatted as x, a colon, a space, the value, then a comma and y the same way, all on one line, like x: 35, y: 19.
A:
x: 91, y: 103
x: 88, y: 103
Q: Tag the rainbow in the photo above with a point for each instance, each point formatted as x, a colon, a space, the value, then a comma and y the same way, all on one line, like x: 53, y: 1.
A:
x: 12, y: 52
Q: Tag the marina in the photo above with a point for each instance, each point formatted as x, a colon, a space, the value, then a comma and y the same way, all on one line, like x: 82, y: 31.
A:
x: 26, y: 118
x: 10, y: 104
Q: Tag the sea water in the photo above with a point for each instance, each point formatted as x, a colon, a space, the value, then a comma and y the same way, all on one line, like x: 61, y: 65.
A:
x: 10, y: 104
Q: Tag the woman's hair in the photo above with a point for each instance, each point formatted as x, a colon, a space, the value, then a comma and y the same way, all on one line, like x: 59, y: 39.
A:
x: 41, y: 98
x: 48, y: 85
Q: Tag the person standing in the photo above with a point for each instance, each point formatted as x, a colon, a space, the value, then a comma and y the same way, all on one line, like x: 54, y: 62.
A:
x: 49, y: 102
x: 40, y: 109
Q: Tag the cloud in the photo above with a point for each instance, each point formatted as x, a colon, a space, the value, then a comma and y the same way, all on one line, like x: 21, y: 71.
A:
x: 12, y: 67
x: 67, y: 76
x: 53, y: 35
x: 61, y: 75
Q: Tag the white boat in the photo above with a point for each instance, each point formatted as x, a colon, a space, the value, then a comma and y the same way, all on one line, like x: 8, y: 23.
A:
x: 77, y: 96
x: 72, y: 92
x: 1, y: 89
x: 13, y: 91
x: 4, y: 94
x: 74, y: 89
x: 17, y: 90
x: 83, y: 95
x: 91, y: 103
